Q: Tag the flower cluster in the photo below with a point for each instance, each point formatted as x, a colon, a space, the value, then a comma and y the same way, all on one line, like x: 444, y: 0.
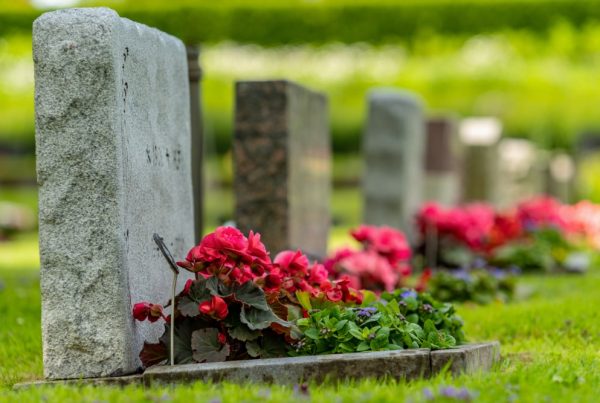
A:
x: 537, y: 234
x: 241, y: 303
x: 468, y: 224
x: 382, y: 263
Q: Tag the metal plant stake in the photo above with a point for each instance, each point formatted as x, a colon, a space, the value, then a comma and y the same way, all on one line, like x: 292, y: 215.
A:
x: 173, y: 266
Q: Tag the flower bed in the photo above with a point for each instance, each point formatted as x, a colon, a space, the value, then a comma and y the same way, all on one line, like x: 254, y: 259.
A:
x: 244, y: 305
x: 540, y: 234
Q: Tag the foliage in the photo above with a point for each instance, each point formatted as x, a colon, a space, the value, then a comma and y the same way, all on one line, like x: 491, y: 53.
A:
x: 480, y: 285
x: 301, y: 22
x: 381, y: 264
x: 403, y: 319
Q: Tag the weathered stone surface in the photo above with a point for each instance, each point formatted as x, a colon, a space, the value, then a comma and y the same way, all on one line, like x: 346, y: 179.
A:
x: 479, y: 138
x: 282, y: 162
x: 393, y: 147
x: 405, y: 364
x: 442, y: 177
x: 467, y: 359
x: 113, y: 164
x: 120, y: 381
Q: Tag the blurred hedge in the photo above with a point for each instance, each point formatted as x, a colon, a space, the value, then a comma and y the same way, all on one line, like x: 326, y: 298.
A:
x: 374, y: 22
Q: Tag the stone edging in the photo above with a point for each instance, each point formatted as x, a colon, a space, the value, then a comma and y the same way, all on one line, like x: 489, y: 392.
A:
x: 399, y: 364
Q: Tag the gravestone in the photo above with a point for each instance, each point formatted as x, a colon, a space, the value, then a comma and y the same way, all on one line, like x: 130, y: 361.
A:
x: 521, y: 171
x: 113, y: 164
x: 394, y: 149
x: 442, y: 180
x: 479, y: 141
x: 560, y: 177
x: 282, y: 160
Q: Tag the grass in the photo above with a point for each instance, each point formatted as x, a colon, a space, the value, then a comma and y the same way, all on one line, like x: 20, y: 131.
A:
x: 550, y: 349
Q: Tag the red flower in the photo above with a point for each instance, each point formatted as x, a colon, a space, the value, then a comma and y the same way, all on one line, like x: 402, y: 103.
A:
x: 221, y: 338
x: 317, y: 274
x: 216, y: 307
x: 424, y: 280
x: 188, y: 285
x: 257, y: 250
x: 147, y: 311
x: 273, y: 280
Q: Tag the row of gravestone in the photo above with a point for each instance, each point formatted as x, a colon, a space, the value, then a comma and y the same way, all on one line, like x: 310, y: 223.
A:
x: 114, y: 167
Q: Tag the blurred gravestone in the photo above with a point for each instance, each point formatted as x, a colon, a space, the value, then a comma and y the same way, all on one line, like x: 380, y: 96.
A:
x: 479, y: 139
x: 394, y: 146
x: 282, y: 159
x: 521, y: 173
x: 113, y: 161
x: 560, y: 177
x: 442, y: 180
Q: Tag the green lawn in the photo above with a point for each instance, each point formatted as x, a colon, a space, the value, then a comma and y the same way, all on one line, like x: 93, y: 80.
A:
x: 550, y: 349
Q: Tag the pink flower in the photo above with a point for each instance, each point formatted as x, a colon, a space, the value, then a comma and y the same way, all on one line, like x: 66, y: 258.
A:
x: 374, y: 271
x: 292, y: 262
x: 317, y: 274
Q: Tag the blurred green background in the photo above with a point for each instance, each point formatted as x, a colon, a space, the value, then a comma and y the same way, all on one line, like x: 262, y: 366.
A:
x: 534, y: 64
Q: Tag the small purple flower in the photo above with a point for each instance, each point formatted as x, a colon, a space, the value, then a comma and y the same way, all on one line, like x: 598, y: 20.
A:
x: 409, y: 294
x: 366, y: 312
x: 455, y: 393
x: 497, y: 273
x: 462, y: 275
x: 428, y: 394
x: 479, y: 263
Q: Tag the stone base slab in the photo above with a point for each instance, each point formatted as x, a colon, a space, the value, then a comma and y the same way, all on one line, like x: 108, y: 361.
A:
x: 399, y: 364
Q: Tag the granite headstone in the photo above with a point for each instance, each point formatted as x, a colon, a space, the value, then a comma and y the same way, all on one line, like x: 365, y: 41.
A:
x: 282, y: 160
x: 113, y: 164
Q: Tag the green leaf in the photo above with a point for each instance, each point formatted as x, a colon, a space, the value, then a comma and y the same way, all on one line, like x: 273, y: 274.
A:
x: 369, y: 298
x: 253, y: 349
x: 198, y: 291
x: 218, y: 288
x: 188, y: 307
x: 257, y: 319
x: 243, y: 333
x: 251, y: 294
x: 304, y: 299
x: 357, y: 333
x: 184, y: 328
x: 312, y: 333
x: 206, y: 346
x: 363, y: 346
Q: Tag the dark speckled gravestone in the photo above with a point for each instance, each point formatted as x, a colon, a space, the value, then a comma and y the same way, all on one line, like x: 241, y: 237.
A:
x: 282, y: 164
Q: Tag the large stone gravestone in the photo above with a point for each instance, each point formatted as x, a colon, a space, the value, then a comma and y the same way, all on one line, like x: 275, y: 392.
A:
x: 393, y: 147
x: 442, y: 179
x: 282, y: 162
x: 113, y: 164
x: 479, y: 141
